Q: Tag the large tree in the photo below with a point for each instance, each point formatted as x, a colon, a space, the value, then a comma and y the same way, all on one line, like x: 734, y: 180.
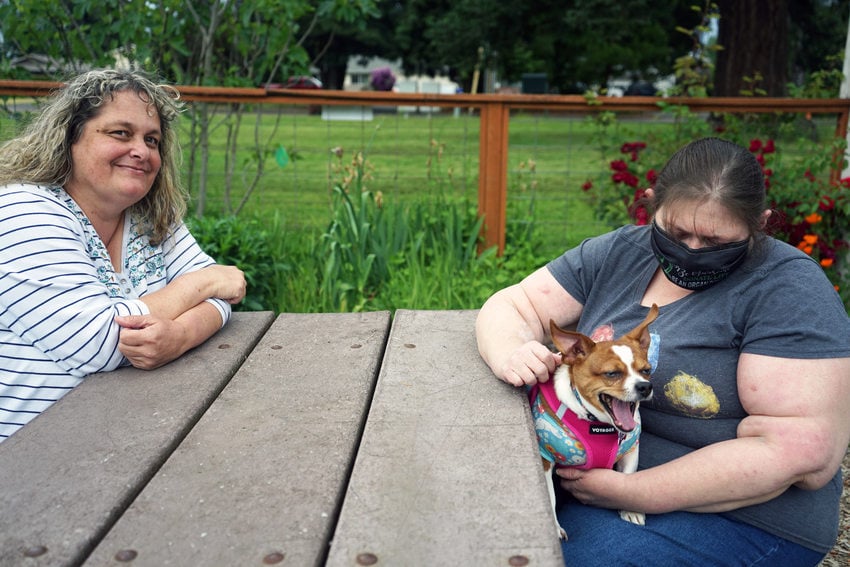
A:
x: 769, y: 43
x: 754, y: 37
x: 579, y: 42
x: 190, y: 42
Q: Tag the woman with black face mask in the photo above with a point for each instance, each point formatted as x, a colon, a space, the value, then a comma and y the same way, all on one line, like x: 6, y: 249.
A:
x: 742, y: 442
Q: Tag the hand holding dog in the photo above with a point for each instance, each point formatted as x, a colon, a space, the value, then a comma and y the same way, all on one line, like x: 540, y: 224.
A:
x: 596, y: 487
x: 529, y: 364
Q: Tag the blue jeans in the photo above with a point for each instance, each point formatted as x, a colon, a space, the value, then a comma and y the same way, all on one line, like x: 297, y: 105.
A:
x: 599, y: 537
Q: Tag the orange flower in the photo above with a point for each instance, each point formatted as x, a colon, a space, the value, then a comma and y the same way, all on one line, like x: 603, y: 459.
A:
x: 806, y: 244
x: 826, y: 262
x: 813, y: 218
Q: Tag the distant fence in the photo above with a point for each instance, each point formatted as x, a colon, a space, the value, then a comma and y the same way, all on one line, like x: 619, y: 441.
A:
x: 494, y: 111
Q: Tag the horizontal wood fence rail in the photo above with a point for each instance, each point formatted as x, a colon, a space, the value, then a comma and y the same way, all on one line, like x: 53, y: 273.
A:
x: 494, y: 112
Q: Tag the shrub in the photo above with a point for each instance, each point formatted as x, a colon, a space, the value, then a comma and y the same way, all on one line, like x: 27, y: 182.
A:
x: 373, y: 255
x: 254, y: 245
x: 382, y: 79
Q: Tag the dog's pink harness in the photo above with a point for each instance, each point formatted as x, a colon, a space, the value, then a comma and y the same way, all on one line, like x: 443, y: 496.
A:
x: 567, y: 440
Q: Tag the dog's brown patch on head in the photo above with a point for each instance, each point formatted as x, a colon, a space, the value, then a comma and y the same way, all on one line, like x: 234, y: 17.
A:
x: 596, y: 370
x: 602, y: 372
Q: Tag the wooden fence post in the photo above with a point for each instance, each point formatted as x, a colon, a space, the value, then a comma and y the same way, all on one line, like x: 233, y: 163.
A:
x: 493, y: 172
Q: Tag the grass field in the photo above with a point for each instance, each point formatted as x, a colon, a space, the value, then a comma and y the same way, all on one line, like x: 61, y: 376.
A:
x: 411, y: 156
x: 414, y: 156
x: 427, y: 162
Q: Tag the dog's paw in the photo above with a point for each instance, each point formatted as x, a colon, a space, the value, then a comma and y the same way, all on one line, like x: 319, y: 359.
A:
x: 638, y: 518
x: 562, y: 534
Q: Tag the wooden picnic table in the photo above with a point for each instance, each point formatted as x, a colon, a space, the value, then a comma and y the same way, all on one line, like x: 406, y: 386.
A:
x: 302, y: 439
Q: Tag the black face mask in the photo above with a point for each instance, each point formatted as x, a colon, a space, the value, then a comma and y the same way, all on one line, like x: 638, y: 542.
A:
x: 699, y: 268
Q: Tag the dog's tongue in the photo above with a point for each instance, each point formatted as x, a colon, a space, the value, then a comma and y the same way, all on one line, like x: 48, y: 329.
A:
x: 623, y: 416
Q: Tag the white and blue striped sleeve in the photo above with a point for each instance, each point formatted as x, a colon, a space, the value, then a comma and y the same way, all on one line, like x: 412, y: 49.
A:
x: 183, y: 254
x: 50, y: 293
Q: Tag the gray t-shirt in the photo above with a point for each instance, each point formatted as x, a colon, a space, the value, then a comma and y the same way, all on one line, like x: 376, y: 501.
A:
x: 777, y: 303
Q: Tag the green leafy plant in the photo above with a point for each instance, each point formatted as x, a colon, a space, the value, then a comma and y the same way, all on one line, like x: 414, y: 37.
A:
x: 254, y: 245
x: 811, y: 202
x: 695, y: 69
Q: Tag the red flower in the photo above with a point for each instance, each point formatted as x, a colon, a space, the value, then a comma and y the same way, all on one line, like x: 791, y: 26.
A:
x: 641, y: 216
x: 769, y: 148
x: 632, y: 148
x: 826, y: 203
x: 651, y: 176
x: 587, y: 185
x: 755, y: 145
x: 625, y: 177
x: 809, y: 175
x: 619, y: 165
x: 760, y: 159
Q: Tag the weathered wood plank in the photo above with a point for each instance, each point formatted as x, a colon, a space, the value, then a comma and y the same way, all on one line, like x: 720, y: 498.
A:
x: 448, y: 471
x: 259, y: 478
x: 73, y: 470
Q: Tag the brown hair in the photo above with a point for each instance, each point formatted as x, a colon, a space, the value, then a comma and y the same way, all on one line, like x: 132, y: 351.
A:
x: 42, y: 153
x: 712, y: 169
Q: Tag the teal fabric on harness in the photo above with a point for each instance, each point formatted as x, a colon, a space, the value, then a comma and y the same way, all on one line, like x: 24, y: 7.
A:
x: 569, y: 441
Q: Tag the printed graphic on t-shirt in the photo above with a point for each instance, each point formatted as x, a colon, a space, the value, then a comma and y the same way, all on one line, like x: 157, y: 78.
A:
x: 692, y: 396
x: 603, y: 333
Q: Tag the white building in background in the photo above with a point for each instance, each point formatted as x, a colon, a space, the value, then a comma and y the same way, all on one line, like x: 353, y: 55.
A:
x: 359, y: 69
x: 358, y: 76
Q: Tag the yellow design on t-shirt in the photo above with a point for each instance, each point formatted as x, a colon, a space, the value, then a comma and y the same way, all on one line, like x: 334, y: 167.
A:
x: 691, y: 396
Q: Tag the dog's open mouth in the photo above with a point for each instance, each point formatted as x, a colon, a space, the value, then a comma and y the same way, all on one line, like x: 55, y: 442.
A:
x: 623, y: 413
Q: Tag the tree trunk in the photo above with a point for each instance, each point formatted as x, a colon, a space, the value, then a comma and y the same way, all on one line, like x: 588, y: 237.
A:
x: 754, y: 37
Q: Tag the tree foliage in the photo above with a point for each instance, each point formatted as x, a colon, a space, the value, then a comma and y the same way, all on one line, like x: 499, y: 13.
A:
x: 188, y: 42
x: 575, y: 43
x: 581, y: 43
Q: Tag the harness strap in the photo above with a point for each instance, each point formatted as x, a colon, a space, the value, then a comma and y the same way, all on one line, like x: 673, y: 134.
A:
x: 600, y: 440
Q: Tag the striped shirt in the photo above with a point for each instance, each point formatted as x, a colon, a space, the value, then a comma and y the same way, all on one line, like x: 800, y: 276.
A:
x: 59, y: 295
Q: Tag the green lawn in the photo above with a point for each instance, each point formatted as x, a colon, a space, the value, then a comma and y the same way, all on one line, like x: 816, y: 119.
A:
x: 416, y: 155
x: 427, y: 162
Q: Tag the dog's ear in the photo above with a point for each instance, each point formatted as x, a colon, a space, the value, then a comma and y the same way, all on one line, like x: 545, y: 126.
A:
x: 572, y: 346
x: 641, y: 332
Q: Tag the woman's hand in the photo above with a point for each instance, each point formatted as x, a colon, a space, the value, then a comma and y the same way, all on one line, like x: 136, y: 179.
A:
x: 223, y: 282
x: 529, y: 364
x: 193, y: 288
x: 594, y: 487
x: 148, y: 342
x: 513, y: 323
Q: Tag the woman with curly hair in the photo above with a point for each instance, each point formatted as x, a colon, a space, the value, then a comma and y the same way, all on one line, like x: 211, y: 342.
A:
x: 97, y: 269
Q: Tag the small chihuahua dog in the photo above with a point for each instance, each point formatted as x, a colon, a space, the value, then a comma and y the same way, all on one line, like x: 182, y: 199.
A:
x: 587, y: 415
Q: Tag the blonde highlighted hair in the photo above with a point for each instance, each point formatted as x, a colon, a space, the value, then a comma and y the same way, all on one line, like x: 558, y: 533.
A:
x: 42, y: 153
